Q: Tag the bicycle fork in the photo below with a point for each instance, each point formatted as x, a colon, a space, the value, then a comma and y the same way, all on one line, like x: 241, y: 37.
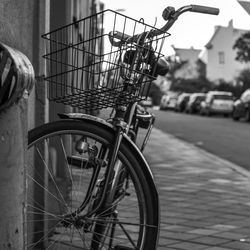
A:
x: 110, y: 176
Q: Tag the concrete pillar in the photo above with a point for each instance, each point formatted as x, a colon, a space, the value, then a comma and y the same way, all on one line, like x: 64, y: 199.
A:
x: 13, y: 141
x: 21, y: 26
x: 17, y: 79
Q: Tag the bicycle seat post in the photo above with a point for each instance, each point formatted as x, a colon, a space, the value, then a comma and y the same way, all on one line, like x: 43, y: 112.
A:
x: 121, y: 128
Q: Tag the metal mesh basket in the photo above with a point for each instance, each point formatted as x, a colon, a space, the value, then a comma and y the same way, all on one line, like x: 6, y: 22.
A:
x: 85, y: 70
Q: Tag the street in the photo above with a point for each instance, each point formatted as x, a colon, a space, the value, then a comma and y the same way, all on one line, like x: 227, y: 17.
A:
x: 218, y: 135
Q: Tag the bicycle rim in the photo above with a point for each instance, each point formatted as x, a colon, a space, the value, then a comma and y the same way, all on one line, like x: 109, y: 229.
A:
x: 56, y: 214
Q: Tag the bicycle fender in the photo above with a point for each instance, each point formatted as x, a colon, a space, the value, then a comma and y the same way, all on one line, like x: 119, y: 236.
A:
x: 129, y: 143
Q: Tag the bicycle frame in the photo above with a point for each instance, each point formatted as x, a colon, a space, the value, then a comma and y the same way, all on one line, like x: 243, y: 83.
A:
x: 117, y: 78
x: 122, y: 125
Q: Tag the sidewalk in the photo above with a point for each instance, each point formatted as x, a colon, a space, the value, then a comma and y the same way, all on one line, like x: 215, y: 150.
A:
x: 205, y: 200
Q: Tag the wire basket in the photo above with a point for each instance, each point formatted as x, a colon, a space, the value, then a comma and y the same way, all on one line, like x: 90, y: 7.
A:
x: 85, y: 70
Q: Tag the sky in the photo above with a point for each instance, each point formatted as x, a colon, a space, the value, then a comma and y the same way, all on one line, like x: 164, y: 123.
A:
x: 191, y: 29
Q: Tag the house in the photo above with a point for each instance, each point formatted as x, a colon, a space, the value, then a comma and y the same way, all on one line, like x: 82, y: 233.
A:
x: 220, y: 56
x: 217, y: 60
x: 188, y: 59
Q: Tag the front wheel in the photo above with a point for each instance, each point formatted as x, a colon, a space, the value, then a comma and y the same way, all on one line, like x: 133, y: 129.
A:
x: 65, y: 176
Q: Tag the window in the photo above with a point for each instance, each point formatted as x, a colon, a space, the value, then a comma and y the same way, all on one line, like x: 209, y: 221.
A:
x: 221, y: 57
x: 223, y: 97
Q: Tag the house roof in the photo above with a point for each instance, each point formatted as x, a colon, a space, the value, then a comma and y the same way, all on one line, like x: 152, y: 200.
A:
x: 217, y: 30
x: 203, y: 56
x: 190, y: 54
x: 209, y: 43
x: 245, y: 5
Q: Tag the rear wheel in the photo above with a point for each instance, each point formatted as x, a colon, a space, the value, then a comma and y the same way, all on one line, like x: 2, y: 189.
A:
x: 65, y: 176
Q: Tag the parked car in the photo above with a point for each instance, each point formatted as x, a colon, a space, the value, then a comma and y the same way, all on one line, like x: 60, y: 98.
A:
x: 168, y: 102
x: 181, y: 102
x: 193, y: 105
x: 241, y: 107
x: 217, y: 102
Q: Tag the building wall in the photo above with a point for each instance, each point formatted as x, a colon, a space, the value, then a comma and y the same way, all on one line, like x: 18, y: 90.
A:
x: 21, y: 24
x: 64, y: 12
x: 222, y: 44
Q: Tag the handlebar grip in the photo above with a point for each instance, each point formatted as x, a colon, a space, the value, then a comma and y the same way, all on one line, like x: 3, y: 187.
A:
x: 120, y: 35
x: 205, y: 9
x: 117, y: 38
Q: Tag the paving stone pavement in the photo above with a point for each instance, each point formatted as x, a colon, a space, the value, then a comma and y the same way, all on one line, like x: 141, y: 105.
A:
x: 205, y: 200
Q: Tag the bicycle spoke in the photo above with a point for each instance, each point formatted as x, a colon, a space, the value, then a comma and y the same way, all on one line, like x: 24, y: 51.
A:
x: 81, y: 175
x: 118, y: 221
x: 41, y: 240
x: 45, y: 212
x: 52, y: 177
x: 63, y: 203
x: 59, y: 208
x: 66, y: 161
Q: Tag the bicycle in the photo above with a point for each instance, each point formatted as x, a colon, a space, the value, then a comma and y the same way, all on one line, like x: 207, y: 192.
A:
x: 89, y: 186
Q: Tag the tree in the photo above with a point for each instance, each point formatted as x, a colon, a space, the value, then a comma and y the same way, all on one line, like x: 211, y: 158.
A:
x: 196, y: 82
x: 243, y: 79
x: 174, y: 65
x: 242, y: 47
x: 155, y: 93
x: 228, y: 86
x: 191, y: 85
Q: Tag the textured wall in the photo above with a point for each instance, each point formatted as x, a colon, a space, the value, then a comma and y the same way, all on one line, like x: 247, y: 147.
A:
x: 16, y: 24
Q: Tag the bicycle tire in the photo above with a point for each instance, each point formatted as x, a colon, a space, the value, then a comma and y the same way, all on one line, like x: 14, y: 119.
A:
x: 140, y: 225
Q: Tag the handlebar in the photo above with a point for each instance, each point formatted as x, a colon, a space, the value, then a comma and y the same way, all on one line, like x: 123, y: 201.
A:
x: 170, y: 15
x: 205, y: 9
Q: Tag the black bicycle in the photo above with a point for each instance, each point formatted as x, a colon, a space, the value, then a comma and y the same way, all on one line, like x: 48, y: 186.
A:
x: 88, y: 184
